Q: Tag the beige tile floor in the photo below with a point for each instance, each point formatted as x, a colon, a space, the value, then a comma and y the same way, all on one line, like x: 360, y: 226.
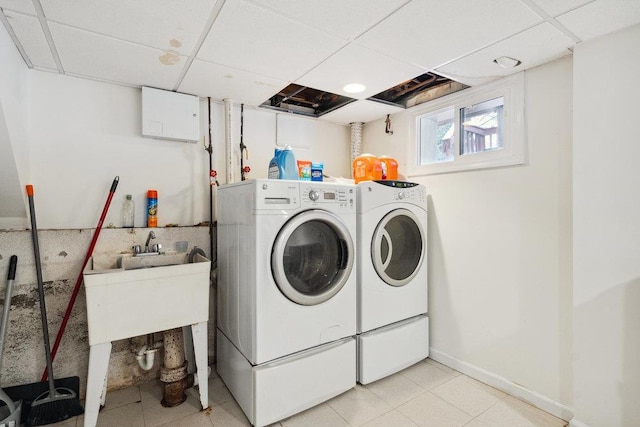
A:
x: 425, y: 394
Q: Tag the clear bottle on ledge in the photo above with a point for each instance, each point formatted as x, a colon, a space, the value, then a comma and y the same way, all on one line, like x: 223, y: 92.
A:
x: 128, y: 212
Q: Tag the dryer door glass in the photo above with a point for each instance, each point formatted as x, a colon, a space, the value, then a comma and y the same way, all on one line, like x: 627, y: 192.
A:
x: 398, y: 247
x: 312, y: 257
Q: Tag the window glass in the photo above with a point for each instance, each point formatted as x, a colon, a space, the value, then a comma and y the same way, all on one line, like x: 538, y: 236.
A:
x: 437, y: 143
x: 476, y: 128
x: 481, y: 127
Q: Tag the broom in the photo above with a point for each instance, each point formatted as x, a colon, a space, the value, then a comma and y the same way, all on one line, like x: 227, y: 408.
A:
x: 56, y: 404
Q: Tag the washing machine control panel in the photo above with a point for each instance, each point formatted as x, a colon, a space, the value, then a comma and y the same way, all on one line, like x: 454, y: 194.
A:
x: 415, y: 194
x: 335, y: 196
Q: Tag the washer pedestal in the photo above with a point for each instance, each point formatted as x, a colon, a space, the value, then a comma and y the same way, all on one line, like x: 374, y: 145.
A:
x: 387, y: 350
x: 283, y: 387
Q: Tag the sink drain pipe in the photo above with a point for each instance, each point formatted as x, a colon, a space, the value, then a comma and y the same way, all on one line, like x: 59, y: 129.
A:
x: 174, y: 371
x: 147, y: 354
x: 146, y: 357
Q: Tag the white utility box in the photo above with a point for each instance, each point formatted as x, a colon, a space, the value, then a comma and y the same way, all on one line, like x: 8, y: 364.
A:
x: 170, y: 115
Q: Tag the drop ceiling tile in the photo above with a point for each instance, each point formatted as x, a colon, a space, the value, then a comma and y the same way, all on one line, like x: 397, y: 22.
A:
x: 251, y: 38
x: 430, y: 33
x: 556, y: 7
x: 88, y: 54
x: 601, y: 17
x: 220, y: 82
x: 175, y: 25
x: 533, y: 47
x: 360, y: 111
x: 29, y: 31
x: 21, y: 6
x: 344, y: 19
x: 357, y: 64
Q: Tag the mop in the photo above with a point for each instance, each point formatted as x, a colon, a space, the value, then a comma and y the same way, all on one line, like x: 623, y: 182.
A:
x: 10, y: 412
x: 56, y: 404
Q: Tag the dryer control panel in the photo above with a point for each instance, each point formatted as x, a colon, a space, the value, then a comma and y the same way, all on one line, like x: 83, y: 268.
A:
x: 334, y: 196
x: 372, y: 194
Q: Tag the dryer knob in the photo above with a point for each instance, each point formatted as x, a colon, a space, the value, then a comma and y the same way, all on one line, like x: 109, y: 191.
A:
x: 401, y: 195
x: 314, y: 195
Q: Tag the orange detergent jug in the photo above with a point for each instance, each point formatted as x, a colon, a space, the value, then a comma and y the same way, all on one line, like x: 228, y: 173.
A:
x: 389, y: 168
x: 367, y: 167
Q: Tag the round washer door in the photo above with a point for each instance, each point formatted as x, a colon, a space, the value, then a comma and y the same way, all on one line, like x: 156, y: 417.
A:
x: 398, y: 247
x: 312, y: 257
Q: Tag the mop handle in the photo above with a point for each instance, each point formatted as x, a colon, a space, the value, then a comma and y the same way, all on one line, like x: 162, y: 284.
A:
x: 43, y: 307
x: 7, y: 304
x: 76, y: 289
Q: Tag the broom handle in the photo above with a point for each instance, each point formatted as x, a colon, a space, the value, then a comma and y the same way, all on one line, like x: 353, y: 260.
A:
x: 76, y: 289
x: 43, y: 308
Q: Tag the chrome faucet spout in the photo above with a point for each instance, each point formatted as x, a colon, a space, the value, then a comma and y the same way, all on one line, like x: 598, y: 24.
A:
x: 151, y: 235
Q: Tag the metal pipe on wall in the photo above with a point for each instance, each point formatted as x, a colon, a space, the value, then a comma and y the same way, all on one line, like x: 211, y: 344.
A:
x: 228, y: 140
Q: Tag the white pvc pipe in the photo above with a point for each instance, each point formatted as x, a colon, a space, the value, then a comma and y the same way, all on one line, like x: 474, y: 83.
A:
x: 146, y: 357
x: 228, y: 140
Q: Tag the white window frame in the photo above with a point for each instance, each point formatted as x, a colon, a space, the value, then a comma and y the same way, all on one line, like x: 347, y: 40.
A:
x: 513, y: 153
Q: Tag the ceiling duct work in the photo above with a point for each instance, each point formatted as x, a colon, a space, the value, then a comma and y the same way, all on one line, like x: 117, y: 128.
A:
x: 306, y: 101
x: 311, y: 102
x: 418, y: 90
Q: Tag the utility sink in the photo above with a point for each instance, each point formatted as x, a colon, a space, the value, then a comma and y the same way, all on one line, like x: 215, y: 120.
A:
x: 134, y: 296
x: 140, y: 295
x: 159, y: 260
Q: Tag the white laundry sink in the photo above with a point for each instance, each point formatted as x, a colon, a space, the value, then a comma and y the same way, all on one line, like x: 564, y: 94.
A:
x: 145, y: 294
x: 160, y: 260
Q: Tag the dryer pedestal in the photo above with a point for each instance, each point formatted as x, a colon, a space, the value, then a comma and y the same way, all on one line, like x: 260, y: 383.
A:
x: 272, y: 391
x: 387, y: 350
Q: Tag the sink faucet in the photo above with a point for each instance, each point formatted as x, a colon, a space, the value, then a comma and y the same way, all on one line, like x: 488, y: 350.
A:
x: 152, y: 235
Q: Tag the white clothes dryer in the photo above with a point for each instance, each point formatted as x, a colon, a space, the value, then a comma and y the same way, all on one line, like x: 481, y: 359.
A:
x: 393, y: 327
x: 286, y: 294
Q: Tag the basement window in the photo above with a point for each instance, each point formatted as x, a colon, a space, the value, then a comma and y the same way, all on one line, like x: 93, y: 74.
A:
x: 481, y: 127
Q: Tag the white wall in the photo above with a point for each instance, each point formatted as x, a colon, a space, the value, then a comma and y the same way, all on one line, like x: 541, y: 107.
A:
x: 14, y: 151
x: 83, y: 133
x: 500, y: 248
x: 606, y: 249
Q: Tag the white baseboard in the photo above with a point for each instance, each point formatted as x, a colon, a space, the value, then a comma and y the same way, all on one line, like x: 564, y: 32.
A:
x: 496, y: 381
x: 576, y: 423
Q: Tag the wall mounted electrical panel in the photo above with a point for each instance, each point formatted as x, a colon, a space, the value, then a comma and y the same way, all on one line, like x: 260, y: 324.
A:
x: 170, y: 115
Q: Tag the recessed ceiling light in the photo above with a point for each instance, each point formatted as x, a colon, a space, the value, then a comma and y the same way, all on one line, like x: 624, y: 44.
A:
x: 354, y: 88
x: 507, y: 62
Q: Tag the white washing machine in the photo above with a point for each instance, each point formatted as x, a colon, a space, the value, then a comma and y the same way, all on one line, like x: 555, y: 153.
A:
x: 286, y: 294
x: 393, y: 326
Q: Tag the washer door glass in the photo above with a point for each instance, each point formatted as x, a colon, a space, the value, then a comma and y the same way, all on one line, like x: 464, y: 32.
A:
x: 312, y: 257
x: 398, y: 247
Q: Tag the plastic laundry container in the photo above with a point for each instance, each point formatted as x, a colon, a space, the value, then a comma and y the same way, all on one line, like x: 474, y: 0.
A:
x: 389, y: 167
x: 367, y: 167
x: 283, y: 165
